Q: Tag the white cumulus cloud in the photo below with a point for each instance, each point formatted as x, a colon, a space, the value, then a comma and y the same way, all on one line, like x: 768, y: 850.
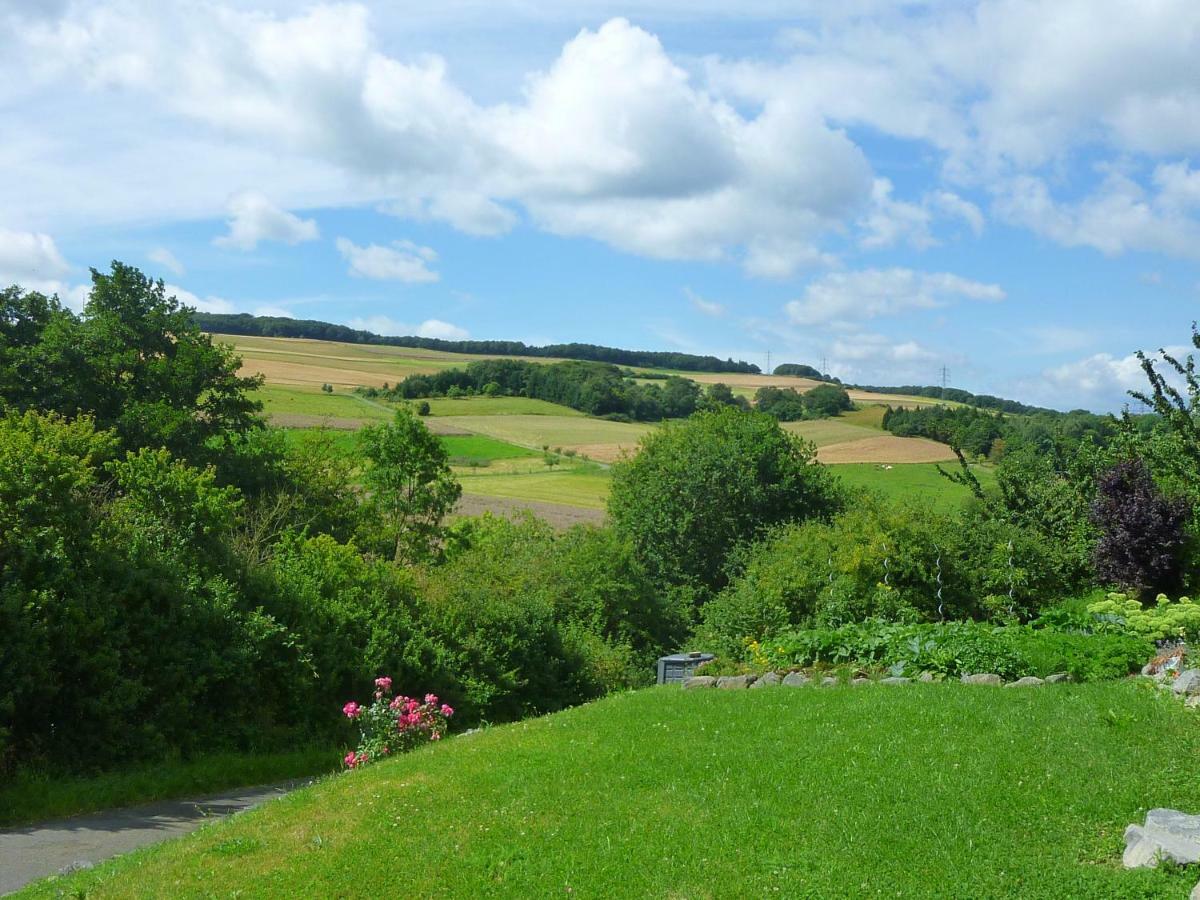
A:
x: 254, y: 218
x: 843, y: 298
x: 166, y: 258
x: 401, y: 261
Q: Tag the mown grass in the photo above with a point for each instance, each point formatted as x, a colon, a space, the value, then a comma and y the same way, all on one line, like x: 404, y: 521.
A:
x: 584, y: 486
x: 923, y: 791
x: 823, y: 432
x: 555, y: 431
x: 916, y: 482
x: 480, y: 448
x: 34, y: 797
x: 281, y: 400
x: 499, y: 406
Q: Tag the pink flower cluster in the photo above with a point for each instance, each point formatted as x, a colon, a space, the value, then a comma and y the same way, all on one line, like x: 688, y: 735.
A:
x: 396, y: 724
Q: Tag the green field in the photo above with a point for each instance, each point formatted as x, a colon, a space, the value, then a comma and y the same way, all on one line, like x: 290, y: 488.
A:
x: 479, y: 448
x: 585, y: 487
x: 499, y: 406
x: 281, y: 401
x: 932, y: 791
x: 596, y: 438
x: 919, y: 482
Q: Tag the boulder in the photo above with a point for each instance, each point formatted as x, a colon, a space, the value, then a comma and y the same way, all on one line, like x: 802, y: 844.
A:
x: 1192, y: 702
x: 769, y: 680
x: 927, y: 678
x: 1195, y: 894
x: 829, y: 681
x: 1187, y: 684
x: 1058, y: 678
x: 896, y: 679
x: 735, y: 682
x: 1167, y: 834
x: 983, y: 678
x: 698, y: 681
x: 796, y: 679
x: 1027, y: 681
x: 860, y: 681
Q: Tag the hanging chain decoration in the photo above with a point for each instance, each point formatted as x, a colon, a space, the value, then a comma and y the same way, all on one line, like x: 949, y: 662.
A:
x: 887, y: 570
x: 1012, y: 603
x: 938, y: 563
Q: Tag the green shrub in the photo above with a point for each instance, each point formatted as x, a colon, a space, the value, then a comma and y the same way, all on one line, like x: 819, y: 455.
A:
x: 1165, y: 619
x: 953, y: 649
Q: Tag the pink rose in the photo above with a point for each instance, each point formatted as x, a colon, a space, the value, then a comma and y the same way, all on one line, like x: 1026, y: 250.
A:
x: 349, y: 760
x: 384, y: 683
x: 431, y: 699
x: 447, y: 711
x: 351, y: 710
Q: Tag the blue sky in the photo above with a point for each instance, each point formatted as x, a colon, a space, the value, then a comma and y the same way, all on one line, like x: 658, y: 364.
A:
x: 1005, y: 187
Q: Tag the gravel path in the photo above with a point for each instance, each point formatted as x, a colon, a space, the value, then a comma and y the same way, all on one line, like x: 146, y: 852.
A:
x: 35, y: 851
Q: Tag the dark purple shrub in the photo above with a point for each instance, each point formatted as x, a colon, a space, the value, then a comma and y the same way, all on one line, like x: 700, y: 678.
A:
x: 1142, y: 533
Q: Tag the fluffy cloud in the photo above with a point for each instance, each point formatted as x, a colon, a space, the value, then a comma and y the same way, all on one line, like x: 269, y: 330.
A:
x: 204, y: 304
x: 165, y: 257
x: 254, y: 218
x: 1100, y: 382
x: 1120, y: 215
x: 27, y: 257
x: 430, y: 328
x: 402, y: 261
x: 843, y: 298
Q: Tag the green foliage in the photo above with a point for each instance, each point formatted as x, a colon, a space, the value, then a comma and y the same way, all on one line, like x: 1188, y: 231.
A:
x: 696, y: 489
x: 1179, y: 619
x: 411, y: 487
x: 789, y: 405
x: 954, y: 649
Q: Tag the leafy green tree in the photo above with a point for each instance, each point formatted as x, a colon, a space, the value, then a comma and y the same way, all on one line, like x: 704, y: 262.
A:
x: 826, y: 400
x: 410, y: 484
x: 697, y: 489
x: 719, y: 395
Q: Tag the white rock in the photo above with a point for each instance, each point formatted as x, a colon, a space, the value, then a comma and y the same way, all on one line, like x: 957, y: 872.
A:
x: 1058, y: 678
x: 983, y: 678
x: 1188, y: 683
x: 698, y: 681
x: 795, y: 679
x: 1167, y: 834
x: 769, y: 680
x: 1027, y: 681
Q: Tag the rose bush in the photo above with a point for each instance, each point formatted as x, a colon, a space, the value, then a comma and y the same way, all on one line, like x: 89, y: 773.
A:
x: 394, y: 724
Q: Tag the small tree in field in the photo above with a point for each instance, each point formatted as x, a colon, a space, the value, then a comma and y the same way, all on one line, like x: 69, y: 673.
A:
x: 410, y: 483
x: 1142, y: 533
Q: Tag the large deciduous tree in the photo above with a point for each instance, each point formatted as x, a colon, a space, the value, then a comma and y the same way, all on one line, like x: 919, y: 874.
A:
x: 696, y: 490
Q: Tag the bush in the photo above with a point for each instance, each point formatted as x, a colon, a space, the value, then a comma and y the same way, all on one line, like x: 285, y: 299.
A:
x: 955, y: 649
x: 1163, y: 620
x: 695, y: 490
x: 394, y: 724
x: 423, y: 408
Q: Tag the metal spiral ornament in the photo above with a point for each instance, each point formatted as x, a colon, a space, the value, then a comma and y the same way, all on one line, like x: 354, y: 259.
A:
x: 1012, y: 603
x: 887, y: 570
x: 938, y: 564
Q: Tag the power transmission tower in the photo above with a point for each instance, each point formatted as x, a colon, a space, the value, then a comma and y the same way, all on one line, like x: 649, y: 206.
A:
x: 768, y: 362
x: 824, y: 365
x: 945, y: 377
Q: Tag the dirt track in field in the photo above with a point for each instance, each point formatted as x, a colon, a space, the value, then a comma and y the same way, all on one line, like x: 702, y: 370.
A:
x: 887, y: 448
x: 559, y: 515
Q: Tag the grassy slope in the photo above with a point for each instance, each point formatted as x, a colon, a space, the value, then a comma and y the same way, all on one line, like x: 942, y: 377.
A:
x: 584, y: 486
x: 923, y: 791
x: 918, y: 482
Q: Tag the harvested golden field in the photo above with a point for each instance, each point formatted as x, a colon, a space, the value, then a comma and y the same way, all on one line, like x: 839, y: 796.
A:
x: 823, y: 432
x: 885, y: 448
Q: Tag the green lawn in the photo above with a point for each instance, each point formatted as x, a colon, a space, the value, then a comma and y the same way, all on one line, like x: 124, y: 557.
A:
x: 913, y: 481
x: 922, y: 791
x: 35, y: 797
